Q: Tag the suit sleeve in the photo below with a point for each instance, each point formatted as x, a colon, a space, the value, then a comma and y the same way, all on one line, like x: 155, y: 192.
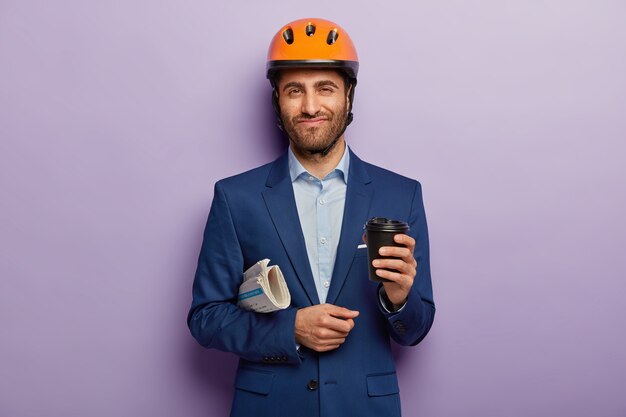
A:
x: 214, y: 319
x: 411, y: 323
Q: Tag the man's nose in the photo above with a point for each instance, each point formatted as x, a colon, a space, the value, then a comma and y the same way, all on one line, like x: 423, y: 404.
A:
x: 310, y: 104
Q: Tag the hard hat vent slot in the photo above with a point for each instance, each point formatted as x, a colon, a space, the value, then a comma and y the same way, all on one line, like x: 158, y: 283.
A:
x: 310, y: 29
x: 288, y: 36
x: 332, y: 37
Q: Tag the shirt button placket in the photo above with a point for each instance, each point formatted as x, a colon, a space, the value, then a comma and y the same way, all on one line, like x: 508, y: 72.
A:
x: 322, y: 214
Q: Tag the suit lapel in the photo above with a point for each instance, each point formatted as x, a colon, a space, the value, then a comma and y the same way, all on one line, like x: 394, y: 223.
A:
x: 281, y: 204
x: 358, y: 197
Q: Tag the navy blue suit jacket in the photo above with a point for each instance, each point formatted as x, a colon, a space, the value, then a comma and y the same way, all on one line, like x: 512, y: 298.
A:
x: 254, y: 216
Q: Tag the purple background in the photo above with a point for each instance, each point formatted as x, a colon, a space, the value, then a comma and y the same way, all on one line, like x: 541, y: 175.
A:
x: 117, y: 117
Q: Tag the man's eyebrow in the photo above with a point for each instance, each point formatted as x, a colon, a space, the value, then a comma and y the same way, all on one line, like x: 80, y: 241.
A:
x: 318, y: 84
x: 295, y: 84
x: 325, y: 83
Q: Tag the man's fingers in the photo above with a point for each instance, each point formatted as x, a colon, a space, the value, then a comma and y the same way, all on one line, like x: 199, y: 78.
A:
x: 391, y: 276
x: 324, y: 333
x: 338, y: 318
x: 327, y: 344
x: 341, y: 312
x: 396, y: 252
x: 330, y: 342
x: 404, y: 252
x: 405, y: 240
x: 323, y: 327
x: 395, y: 264
x: 339, y: 325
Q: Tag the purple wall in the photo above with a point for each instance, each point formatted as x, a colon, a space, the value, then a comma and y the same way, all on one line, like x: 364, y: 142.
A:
x: 117, y: 117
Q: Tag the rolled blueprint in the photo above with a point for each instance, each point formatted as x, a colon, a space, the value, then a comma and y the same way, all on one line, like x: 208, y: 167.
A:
x: 263, y: 289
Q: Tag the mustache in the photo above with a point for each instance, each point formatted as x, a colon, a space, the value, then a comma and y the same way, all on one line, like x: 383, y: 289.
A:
x: 304, y: 117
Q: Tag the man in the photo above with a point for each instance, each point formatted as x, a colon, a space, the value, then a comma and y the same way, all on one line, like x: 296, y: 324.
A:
x: 328, y: 354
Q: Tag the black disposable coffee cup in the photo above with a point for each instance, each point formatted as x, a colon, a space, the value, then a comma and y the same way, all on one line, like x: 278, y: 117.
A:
x: 380, y: 232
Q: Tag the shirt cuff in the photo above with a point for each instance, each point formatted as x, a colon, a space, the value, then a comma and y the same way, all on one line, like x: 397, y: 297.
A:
x: 385, y: 303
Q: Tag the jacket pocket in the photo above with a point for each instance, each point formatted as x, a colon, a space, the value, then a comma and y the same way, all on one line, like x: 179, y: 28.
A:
x: 252, y: 380
x: 361, y: 252
x: 382, y: 384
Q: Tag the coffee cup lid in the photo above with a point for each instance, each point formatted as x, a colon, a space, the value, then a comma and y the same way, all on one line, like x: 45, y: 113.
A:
x: 383, y: 224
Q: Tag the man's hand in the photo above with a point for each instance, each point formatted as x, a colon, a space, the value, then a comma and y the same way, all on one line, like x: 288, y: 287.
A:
x: 403, y: 270
x: 323, y: 327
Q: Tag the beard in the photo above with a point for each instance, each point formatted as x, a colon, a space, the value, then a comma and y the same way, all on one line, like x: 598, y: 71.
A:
x: 315, y: 139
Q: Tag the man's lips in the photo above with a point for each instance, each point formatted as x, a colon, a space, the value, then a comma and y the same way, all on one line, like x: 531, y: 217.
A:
x: 309, y: 122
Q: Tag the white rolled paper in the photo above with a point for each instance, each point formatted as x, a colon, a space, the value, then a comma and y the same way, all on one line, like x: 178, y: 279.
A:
x: 263, y: 289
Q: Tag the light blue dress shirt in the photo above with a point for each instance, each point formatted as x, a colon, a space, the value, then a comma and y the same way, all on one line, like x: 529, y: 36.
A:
x: 320, y: 206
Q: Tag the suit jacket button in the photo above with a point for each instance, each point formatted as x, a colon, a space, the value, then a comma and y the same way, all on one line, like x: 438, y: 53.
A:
x: 312, y: 385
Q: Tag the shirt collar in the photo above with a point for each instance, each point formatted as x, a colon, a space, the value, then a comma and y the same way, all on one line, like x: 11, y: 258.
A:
x: 296, y: 169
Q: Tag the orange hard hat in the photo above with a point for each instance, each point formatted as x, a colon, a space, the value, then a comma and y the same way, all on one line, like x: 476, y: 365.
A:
x: 312, y: 43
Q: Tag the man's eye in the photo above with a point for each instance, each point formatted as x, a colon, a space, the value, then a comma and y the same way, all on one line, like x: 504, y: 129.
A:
x: 295, y: 91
